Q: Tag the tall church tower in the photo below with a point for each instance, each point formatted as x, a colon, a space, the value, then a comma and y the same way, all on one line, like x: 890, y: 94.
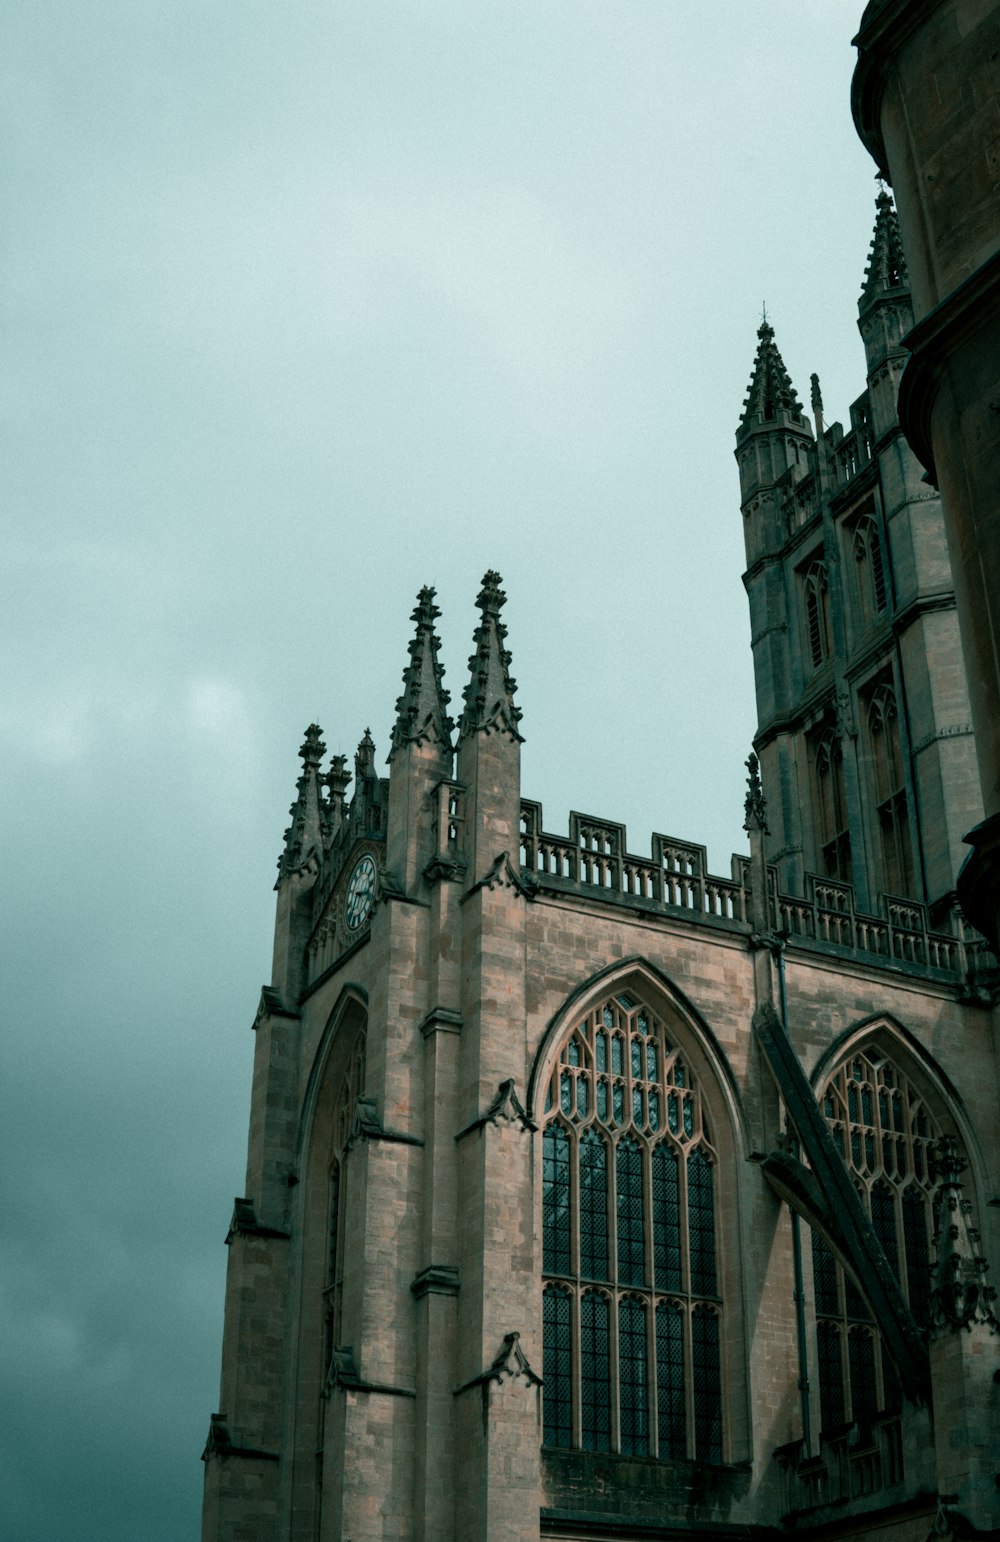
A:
x: 864, y: 727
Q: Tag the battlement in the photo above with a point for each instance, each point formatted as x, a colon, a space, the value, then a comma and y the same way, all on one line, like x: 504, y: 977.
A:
x: 593, y: 861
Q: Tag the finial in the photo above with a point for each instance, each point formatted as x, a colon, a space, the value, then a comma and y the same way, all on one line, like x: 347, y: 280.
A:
x: 313, y: 749
x: 815, y: 394
x: 364, y: 758
x: 421, y: 711
x: 755, y: 804
x: 489, y: 694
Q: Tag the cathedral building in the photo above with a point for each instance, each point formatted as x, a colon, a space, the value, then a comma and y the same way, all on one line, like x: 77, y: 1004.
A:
x: 590, y: 1194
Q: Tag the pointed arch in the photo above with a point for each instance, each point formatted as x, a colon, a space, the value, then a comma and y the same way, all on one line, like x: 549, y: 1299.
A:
x: 886, y: 1104
x: 645, y: 980
x: 640, y: 1130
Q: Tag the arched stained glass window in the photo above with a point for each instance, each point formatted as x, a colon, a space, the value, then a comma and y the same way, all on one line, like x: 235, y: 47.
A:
x: 883, y: 1127
x: 631, y: 1305
x: 351, y: 1088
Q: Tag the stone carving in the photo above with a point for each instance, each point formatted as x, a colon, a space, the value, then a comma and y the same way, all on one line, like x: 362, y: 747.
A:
x: 489, y: 694
x: 755, y: 804
x: 960, y: 1296
x: 421, y: 711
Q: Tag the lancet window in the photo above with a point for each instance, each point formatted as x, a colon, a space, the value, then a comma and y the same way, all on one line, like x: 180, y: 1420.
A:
x: 817, y: 597
x: 870, y: 566
x: 834, y: 837
x: 886, y: 1134
x: 890, y: 794
x: 631, y: 1309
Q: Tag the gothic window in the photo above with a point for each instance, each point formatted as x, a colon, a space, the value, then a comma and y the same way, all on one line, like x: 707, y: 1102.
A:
x: 817, y: 597
x: 831, y: 807
x: 631, y: 1307
x: 885, y: 1132
x: 890, y: 795
x: 870, y: 567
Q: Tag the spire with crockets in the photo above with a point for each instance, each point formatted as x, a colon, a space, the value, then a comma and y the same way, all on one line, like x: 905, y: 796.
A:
x: 306, y: 831
x: 771, y: 392
x: 489, y: 694
x: 421, y: 711
x: 886, y: 271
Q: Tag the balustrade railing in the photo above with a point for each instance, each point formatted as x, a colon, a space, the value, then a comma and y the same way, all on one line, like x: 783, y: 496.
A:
x: 593, y: 859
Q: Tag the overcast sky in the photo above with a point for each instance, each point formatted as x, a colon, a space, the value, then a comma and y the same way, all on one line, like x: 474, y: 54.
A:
x: 304, y: 306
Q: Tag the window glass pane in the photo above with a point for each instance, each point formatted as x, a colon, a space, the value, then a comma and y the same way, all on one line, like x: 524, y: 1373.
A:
x: 824, y: 1278
x: 633, y: 1379
x: 701, y: 1225
x: 593, y: 1207
x: 831, y: 1376
x: 666, y: 1220
x: 595, y: 1373
x: 555, y: 1200
x: 861, y: 1360
x: 631, y: 1260
x: 670, y: 1380
x: 707, y: 1382
x: 556, y: 1368
x: 917, y: 1255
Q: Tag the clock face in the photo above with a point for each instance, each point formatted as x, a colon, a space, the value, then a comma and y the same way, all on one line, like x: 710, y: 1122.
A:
x: 360, y: 894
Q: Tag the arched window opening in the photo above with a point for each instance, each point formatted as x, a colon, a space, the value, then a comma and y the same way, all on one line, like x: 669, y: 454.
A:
x: 817, y: 595
x: 886, y: 1133
x: 631, y: 1308
x: 871, y: 568
x: 831, y: 807
x: 890, y: 794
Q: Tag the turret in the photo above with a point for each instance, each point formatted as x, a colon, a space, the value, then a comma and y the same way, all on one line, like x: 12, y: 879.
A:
x: 885, y: 314
x: 774, y: 445
x: 489, y: 744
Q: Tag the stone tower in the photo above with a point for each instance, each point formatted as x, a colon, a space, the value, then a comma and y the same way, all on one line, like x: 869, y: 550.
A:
x: 864, y: 725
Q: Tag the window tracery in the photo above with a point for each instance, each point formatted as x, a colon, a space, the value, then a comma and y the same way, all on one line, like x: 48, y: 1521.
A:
x: 885, y: 1132
x: 631, y: 1308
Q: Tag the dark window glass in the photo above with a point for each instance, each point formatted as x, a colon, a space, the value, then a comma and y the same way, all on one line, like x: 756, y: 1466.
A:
x: 917, y: 1254
x: 595, y: 1373
x: 666, y: 1220
x: 670, y: 1380
x: 701, y: 1223
x: 707, y: 1384
x: 884, y: 1223
x: 593, y: 1207
x: 831, y: 1375
x: 556, y: 1368
x: 824, y: 1277
x: 633, y: 1379
x: 631, y: 1259
x: 861, y: 1360
x: 555, y: 1200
